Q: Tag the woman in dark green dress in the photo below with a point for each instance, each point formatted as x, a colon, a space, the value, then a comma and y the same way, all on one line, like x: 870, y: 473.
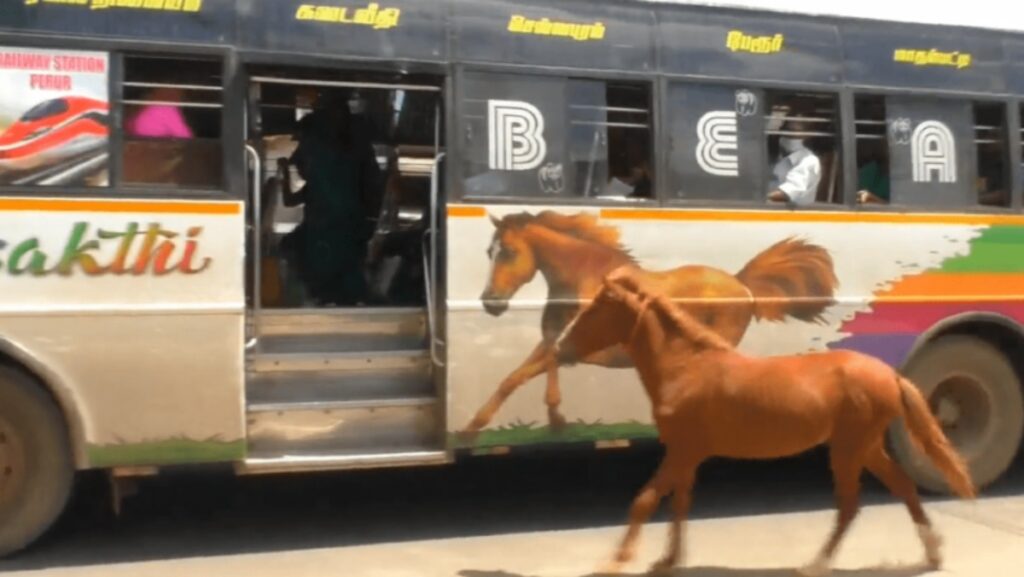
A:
x: 330, y: 244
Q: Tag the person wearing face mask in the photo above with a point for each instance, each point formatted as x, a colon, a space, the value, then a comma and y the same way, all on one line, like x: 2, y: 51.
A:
x: 796, y: 175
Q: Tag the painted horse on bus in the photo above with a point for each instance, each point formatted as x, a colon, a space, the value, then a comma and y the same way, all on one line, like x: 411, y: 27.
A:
x: 790, y: 279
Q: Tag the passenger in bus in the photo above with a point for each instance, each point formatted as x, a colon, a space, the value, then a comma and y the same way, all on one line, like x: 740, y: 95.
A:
x: 873, y: 182
x: 329, y: 246
x: 796, y: 174
x: 161, y: 118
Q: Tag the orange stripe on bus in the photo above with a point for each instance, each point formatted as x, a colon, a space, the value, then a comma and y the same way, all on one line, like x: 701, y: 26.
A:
x: 946, y: 285
x: 99, y: 205
x: 777, y: 216
x: 455, y: 211
x: 471, y: 211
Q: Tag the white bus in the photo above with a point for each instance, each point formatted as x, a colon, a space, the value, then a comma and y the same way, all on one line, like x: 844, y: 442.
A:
x: 293, y: 236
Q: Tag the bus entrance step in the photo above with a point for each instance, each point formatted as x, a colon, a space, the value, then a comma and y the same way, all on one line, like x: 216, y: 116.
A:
x: 300, y: 461
x: 340, y: 330
x: 284, y: 387
x: 342, y: 428
x: 379, y: 362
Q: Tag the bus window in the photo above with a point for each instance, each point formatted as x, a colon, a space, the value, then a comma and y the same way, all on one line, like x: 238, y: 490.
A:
x: 990, y: 142
x: 803, y: 149
x: 931, y: 152
x: 172, y: 122
x: 715, y: 149
x: 872, y: 150
x: 610, y: 139
x: 557, y: 138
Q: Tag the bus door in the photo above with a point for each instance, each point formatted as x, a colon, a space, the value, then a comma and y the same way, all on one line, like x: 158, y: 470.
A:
x: 345, y: 197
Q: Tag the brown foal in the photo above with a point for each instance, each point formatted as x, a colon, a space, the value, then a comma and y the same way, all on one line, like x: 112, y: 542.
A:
x: 709, y: 400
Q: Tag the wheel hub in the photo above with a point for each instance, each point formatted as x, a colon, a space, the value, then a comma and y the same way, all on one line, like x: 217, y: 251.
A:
x: 964, y: 409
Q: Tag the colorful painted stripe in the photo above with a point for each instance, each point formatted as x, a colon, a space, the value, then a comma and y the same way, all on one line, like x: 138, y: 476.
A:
x: 988, y: 279
x: 118, y: 206
x: 916, y: 318
x: 890, y: 348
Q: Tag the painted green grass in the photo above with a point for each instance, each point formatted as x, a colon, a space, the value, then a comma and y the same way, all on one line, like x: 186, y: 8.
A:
x: 175, y: 451
x: 997, y: 250
x: 532, y: 434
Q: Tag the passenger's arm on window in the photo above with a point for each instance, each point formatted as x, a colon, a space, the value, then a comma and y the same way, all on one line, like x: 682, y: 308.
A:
x: 798, y: 187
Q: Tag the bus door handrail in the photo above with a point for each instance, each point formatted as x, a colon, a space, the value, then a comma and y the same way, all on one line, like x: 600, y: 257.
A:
x: 430, y: 261
x: 257, y: 248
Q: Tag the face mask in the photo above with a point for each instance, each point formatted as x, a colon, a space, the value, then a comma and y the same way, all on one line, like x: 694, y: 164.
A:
x: 791, y: 145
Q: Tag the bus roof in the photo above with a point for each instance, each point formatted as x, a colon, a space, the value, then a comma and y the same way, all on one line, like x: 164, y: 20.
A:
x: 988, y: 14
x: 770, y: 41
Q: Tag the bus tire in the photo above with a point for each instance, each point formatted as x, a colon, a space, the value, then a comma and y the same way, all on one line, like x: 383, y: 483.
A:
x: 36, y: 466
x: 976, y: 394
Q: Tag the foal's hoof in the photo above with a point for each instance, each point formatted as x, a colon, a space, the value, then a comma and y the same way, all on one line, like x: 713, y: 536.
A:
x: 557, y: 423
x: 932, y: 547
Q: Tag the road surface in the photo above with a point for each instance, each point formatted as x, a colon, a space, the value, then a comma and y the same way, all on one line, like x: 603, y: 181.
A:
x: 544, y: 516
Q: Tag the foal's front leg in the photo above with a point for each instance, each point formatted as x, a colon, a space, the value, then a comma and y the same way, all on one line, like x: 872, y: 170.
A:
x: 643, y: 507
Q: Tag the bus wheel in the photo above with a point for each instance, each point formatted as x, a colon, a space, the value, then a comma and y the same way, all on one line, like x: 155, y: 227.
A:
x: 976, y: 394
x: 36, y: 469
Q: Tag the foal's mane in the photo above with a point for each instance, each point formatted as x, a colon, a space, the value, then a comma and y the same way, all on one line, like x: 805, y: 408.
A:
x: 581, y: 226
x: 691, y: 328
x: 672, y: 316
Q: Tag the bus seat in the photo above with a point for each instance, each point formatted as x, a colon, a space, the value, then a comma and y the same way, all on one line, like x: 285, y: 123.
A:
x: 829, y: 177
x: 194, y: 163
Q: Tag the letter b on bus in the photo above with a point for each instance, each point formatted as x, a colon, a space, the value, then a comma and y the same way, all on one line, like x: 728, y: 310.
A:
x: 515, y: 135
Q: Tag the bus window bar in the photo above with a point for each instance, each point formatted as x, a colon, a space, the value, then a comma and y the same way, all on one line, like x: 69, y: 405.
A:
x: 181, y: 86
x: 610, y: 124
x: 609, y: 108
x: 794, y: 133
x: 818, y: 119
x: 169, y: 103
x: 344, y: 84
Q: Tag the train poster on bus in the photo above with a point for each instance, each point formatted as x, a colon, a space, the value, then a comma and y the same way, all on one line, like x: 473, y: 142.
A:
x: 54, y: 115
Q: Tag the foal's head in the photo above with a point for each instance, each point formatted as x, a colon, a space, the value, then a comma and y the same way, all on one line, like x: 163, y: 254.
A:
x: 609, y: 319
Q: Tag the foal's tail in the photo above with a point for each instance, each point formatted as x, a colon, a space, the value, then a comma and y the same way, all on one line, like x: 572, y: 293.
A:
x: 928, y: 436
x: 790, y: 278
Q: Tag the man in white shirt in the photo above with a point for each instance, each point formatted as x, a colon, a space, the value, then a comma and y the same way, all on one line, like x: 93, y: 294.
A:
x: 796, y: 175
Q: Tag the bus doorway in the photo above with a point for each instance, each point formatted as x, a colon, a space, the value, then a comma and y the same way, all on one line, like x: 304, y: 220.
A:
x: 344, y: 191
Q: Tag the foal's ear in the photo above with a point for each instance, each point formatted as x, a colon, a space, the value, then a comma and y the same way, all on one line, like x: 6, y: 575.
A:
x: 494, y: 220
x: 612, y: 288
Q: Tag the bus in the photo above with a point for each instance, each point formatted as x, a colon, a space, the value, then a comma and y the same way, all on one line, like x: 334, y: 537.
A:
x: 299, y: 236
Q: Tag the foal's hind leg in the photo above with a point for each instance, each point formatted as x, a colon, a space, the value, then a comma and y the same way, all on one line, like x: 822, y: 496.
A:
x: 847, y: 466
x: 681, y: 499
x: 902, y: 487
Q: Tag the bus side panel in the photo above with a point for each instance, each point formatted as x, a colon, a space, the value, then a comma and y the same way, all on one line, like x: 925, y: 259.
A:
x: 895, y: 276
x: 138, y: 309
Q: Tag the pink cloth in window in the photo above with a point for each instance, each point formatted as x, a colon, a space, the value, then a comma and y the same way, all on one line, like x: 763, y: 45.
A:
x: 159, y: 121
